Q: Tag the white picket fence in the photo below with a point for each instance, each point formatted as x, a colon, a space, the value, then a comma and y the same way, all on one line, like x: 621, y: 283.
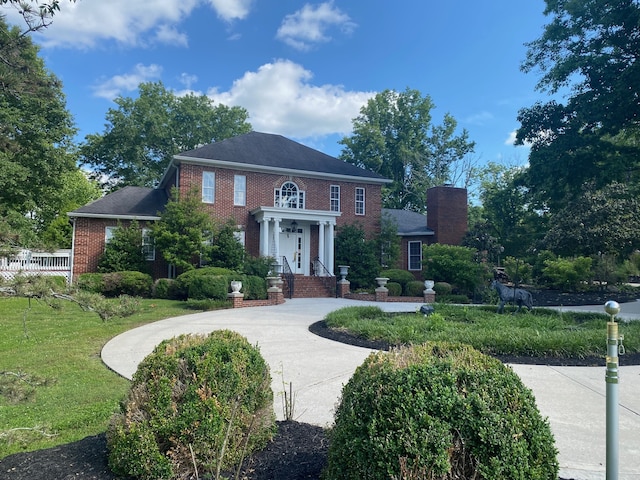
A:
x: 28, y: 262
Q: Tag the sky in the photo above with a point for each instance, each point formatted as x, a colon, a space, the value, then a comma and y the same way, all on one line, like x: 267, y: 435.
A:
x: 303, y: 70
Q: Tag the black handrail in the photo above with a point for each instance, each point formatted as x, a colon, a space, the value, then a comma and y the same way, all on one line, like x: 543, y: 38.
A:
x: 328, y: 280
x: 288, y: 275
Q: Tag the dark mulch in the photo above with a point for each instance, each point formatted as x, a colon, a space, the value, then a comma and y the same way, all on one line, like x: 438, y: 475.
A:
x: 297, y: 452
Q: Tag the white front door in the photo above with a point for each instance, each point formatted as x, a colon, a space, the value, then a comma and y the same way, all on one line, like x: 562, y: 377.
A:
x: 292, y: 247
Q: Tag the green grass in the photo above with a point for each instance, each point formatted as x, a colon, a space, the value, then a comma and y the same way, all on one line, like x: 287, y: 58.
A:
x: 543, y: 332
x: 67, y: 392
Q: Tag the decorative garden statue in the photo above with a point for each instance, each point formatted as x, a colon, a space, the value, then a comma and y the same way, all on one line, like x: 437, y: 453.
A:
x: 517, y: 296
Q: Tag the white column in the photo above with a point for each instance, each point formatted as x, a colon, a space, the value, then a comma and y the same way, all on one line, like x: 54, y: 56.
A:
x: 321, y: 244
x: 264, y: 237
x: 330, y: 248
x: 276, y: 237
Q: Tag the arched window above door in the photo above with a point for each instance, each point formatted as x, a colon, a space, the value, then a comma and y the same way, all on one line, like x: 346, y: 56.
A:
x: 289, y: 196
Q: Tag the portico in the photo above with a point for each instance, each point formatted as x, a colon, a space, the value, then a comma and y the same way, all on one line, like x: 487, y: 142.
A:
x: 290, y: 233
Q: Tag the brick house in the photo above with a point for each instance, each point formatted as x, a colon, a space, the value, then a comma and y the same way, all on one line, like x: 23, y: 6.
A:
x: 286, y: 199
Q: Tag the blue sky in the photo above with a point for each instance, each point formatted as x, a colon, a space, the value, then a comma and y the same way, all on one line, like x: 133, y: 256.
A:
x: 301, y: 69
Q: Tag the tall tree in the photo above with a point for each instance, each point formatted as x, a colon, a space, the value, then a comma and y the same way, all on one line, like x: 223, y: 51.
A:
x: 184, y: 232
x: 394, y: 136
x: 142, y: 134
x: 36, y: 129
x: 591, y: 48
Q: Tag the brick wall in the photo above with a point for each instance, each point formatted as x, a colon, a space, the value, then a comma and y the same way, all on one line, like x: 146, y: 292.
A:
x: 447, y: 214
x: 260, y: 192
x: 90, y: 243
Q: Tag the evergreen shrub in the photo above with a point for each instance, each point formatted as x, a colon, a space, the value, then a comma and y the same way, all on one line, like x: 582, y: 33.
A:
x: 395, y: 289
x: 414, y: 288
x: 90, y: 282
x: 183, y: 281
x: 440, y: 411
x: 397, y: 275
x: 133, y: 283
x: 442, y: 288
x: 197, y: 404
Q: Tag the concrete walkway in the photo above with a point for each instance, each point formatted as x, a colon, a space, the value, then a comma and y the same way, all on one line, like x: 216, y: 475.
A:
x: 573, y: 398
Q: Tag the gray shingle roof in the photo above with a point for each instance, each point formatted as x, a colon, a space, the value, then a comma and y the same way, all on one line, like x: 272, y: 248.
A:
x: 265, y: 150
x: 408, y: 223
x: 126, y: 202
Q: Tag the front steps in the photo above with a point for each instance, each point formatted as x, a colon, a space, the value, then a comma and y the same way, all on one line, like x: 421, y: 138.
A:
x: 310, y: 287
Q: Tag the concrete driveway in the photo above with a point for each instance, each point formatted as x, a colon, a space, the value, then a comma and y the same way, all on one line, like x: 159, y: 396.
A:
x: 573, y: 398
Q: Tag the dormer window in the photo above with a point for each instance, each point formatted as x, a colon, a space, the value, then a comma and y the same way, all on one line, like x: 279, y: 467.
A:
x: 289, y: 196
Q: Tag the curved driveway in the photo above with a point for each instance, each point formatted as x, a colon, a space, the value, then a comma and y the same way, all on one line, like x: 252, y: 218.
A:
x: 573, y: 398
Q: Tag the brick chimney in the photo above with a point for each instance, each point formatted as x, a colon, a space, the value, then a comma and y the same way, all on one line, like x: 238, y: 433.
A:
x: 447, y: 213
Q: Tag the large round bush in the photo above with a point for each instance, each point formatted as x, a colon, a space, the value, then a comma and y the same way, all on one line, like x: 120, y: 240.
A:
x: 439, y: 411
x: 195, y: 401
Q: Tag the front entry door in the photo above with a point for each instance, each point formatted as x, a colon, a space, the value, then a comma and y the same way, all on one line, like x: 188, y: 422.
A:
x: 292, y: 247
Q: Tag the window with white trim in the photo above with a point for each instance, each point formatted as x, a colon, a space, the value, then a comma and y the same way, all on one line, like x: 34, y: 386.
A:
x: 415, y: 255
x: 148, y: 245
x: 208, y: 187
x: 109, y: 233
x: 240, y: 190
x: 335, y: 198
x: 289, y: 196
x: 359, y: 201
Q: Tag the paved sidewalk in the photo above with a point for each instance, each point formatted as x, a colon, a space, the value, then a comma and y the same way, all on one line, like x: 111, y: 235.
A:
x: 573, y: 398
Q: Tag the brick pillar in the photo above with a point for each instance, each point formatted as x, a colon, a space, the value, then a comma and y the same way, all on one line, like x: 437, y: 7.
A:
x: 344, y: 288
x: 236, y: 298
x: 429, y: 297
x: 381, y: 294
x: 275, y: 295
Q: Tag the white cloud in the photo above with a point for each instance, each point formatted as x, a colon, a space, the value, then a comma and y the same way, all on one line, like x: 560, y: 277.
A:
x: 84, y: 24
x: 231, y: 9
x: 481, y: 118
x: 118, y: 84
x: 511, y: 140
x: 188, y: 80
x: 308, y: 26
x: 280, y: 99
x: 169, y: 35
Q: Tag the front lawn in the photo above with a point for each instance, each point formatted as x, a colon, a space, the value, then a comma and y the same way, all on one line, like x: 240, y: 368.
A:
x: 541, y: 333
x: 54, y: 388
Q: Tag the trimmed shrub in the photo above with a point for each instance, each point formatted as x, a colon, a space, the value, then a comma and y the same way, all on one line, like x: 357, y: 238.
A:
x: 136, y: 284
x: 442, y: 288
x: 254, y: 287
x: 398, y: 276
x: 414, y: 288
x: 90, y: 282
x: 438, y: 411
x: 567, y: 274
x: 203, y: 400
x: 455, y: 265
x: 163, y: 288
x: 395, y: 289
x: 208, y: 287
x: 184, y: 280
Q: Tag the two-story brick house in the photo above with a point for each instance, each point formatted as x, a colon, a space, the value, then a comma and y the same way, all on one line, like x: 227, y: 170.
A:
x: 286, y: 199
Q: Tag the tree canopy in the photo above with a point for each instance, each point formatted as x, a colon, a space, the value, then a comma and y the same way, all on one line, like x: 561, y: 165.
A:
x: 142, y: 134
x: 591, y: 49
x: 394, y: 136
x: 36, y: 130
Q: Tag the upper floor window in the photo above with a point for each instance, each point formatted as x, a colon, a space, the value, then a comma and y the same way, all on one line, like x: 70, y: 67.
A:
x: 335, y: 198
x: 359, y: 201
x: 208, y: 187
x: 240, y: 190
x: 289, y: 196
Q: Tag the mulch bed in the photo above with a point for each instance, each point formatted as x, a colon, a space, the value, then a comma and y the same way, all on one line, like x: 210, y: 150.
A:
x: 297, y: 452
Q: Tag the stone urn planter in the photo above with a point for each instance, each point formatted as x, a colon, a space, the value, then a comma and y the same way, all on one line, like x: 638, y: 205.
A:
x: 344, y: 269
x: 273, y: 281
x: 382, y: 281
x: 236, y: 286
x: 428, y: 285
